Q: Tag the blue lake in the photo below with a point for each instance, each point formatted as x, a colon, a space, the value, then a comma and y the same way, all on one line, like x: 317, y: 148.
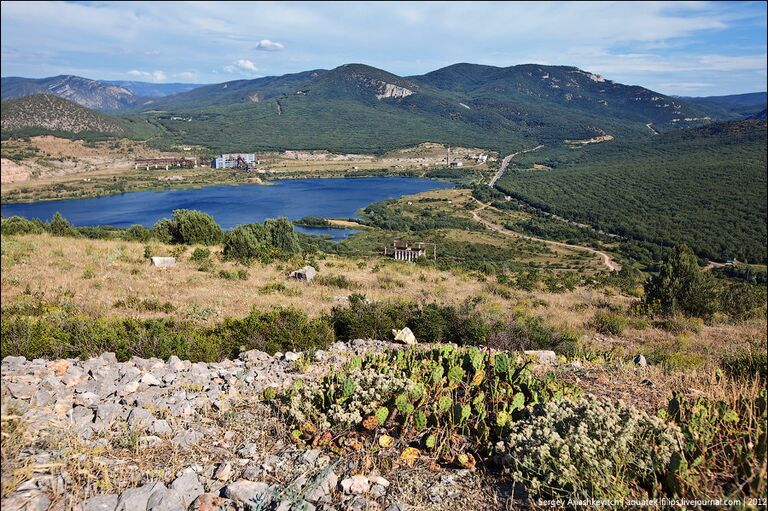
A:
x: 234, y: 205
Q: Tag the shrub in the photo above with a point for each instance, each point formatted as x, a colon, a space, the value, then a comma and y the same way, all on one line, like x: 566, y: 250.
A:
x: 591, y: 448
x: 190, y: 227
x: 246, y: 243
x: 200, y: 255
x: 20, y: 225
x: 340, y: 281
x: 163, y: 230
x: 681, y: 287
x: 610, y: 323
x: 281, y: 236
x: 60, y: 226
x: 137, y: 233
x: 427, y: 397
x: 743, y: 301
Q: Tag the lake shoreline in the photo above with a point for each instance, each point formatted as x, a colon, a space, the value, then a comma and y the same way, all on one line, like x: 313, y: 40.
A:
x: 229, y: 204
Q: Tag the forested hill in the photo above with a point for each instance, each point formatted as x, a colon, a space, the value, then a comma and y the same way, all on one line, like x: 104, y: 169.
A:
x: 704, y: 186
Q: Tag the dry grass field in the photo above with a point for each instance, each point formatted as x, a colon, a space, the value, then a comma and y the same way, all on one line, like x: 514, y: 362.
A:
x: 96, y: 275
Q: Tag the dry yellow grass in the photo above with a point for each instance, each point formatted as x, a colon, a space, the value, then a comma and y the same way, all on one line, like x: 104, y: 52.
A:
x: 94, y: 274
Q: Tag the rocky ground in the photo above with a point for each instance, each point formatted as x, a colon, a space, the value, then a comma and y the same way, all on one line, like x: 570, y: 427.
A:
x: 146, y: 434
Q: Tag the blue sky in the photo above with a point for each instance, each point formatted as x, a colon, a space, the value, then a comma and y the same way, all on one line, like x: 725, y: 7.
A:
x: 686, y: 48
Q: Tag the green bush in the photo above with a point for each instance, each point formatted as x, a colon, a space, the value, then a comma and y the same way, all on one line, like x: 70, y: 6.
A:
x: 282, y: 237
x: 163, y: 230
x: 200, y: 255
x: 246, y: 243
x: 680, y: 287
x: 55, y: 331
x: 607, y: 322
x: 195, y: 227
x: 137, y: 233
x: 340, y: 281
x: 20, y: 225
x: 60, y: 226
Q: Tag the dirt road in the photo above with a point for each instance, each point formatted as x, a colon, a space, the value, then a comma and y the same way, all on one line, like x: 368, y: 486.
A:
x: 606, y: 259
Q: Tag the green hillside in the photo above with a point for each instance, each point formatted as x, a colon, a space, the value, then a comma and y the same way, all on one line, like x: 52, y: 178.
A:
x: 703, y: 186
x: 360, y: 108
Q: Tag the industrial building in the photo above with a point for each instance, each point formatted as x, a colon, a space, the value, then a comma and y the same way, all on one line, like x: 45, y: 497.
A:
x: 244, y: 161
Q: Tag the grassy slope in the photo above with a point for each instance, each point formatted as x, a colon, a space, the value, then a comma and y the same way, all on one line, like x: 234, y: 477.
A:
x: 703, y: 186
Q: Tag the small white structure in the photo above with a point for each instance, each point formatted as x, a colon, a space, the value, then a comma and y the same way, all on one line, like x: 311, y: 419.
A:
x: 163, y: 262
x: 307, y: 273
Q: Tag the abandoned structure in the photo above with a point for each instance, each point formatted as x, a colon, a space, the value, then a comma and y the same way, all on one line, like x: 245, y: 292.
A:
x: 167, y: 163
x: 242, y: 161
x: 403, y: 250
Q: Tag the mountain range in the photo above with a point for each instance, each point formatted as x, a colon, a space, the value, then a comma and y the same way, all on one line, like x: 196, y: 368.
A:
x: 356, y: 107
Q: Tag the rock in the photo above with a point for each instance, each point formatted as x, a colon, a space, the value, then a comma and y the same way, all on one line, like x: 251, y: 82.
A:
x: 87, y: 399
x: 640, y: 361
x: 165, y: 500
x: 544, y: 356
x: 211, y: 502
x: 149, y: 441
x: 291, y: 356
x: 33, y: 500
x: 223, y: 472
x: 138, y: 498
x: 357, y: 485
x: 404, y: 336
x: 186, y: 438
x: 378, y: 491
x: 249, y: 493
x: 139, y: 418
x: 163, y: 262
x: 21, y: 390
x: 150, y: 380
x: 100, y: 503
x: 248, y: 450
x: 161, y: 427
x: 374, y: 479
x: 108, y: 412
x: 309, y: 457
x: 188, y: 486
x: 128, y: 388
x: 398, y: 506
x: 306, y: 273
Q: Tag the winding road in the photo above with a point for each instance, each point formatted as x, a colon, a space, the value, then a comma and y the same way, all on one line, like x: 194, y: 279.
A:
x: 606, y: 259
x: 505, y: 163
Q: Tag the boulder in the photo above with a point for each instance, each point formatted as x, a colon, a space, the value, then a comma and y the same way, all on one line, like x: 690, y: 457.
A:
x: 188, y: 486
x: 404, y: 336
x: 543, y: 356
x: 106, y: 502
x: 163, y: 262
x: 306, y: 273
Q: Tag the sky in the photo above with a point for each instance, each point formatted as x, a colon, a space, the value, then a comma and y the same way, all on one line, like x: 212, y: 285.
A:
x: 682, y: 48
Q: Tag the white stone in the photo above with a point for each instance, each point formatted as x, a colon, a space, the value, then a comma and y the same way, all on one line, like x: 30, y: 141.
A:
x: 404, y: 336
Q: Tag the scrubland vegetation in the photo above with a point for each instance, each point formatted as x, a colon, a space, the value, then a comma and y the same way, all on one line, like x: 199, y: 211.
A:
x: 690, y: 424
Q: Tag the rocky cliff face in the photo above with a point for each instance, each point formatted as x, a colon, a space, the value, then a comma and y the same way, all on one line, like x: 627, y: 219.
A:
x: 10, y: 172
x: 390, y: 90
x: 93, y: 94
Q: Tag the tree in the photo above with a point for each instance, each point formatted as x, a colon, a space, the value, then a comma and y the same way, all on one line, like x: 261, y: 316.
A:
x: 282, y: 237
x: 60, y: 226
x: 246, y: 242
x: 681, y: 287
x: 191, y: 226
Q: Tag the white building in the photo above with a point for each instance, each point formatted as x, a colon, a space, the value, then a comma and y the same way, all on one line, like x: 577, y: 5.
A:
x: 230, y: 161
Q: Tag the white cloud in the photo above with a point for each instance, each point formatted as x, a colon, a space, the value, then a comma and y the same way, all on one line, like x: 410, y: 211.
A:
x: 186, y: 75
x: 157, y: 76
x: 243, y: 66
x: 267, y: 45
